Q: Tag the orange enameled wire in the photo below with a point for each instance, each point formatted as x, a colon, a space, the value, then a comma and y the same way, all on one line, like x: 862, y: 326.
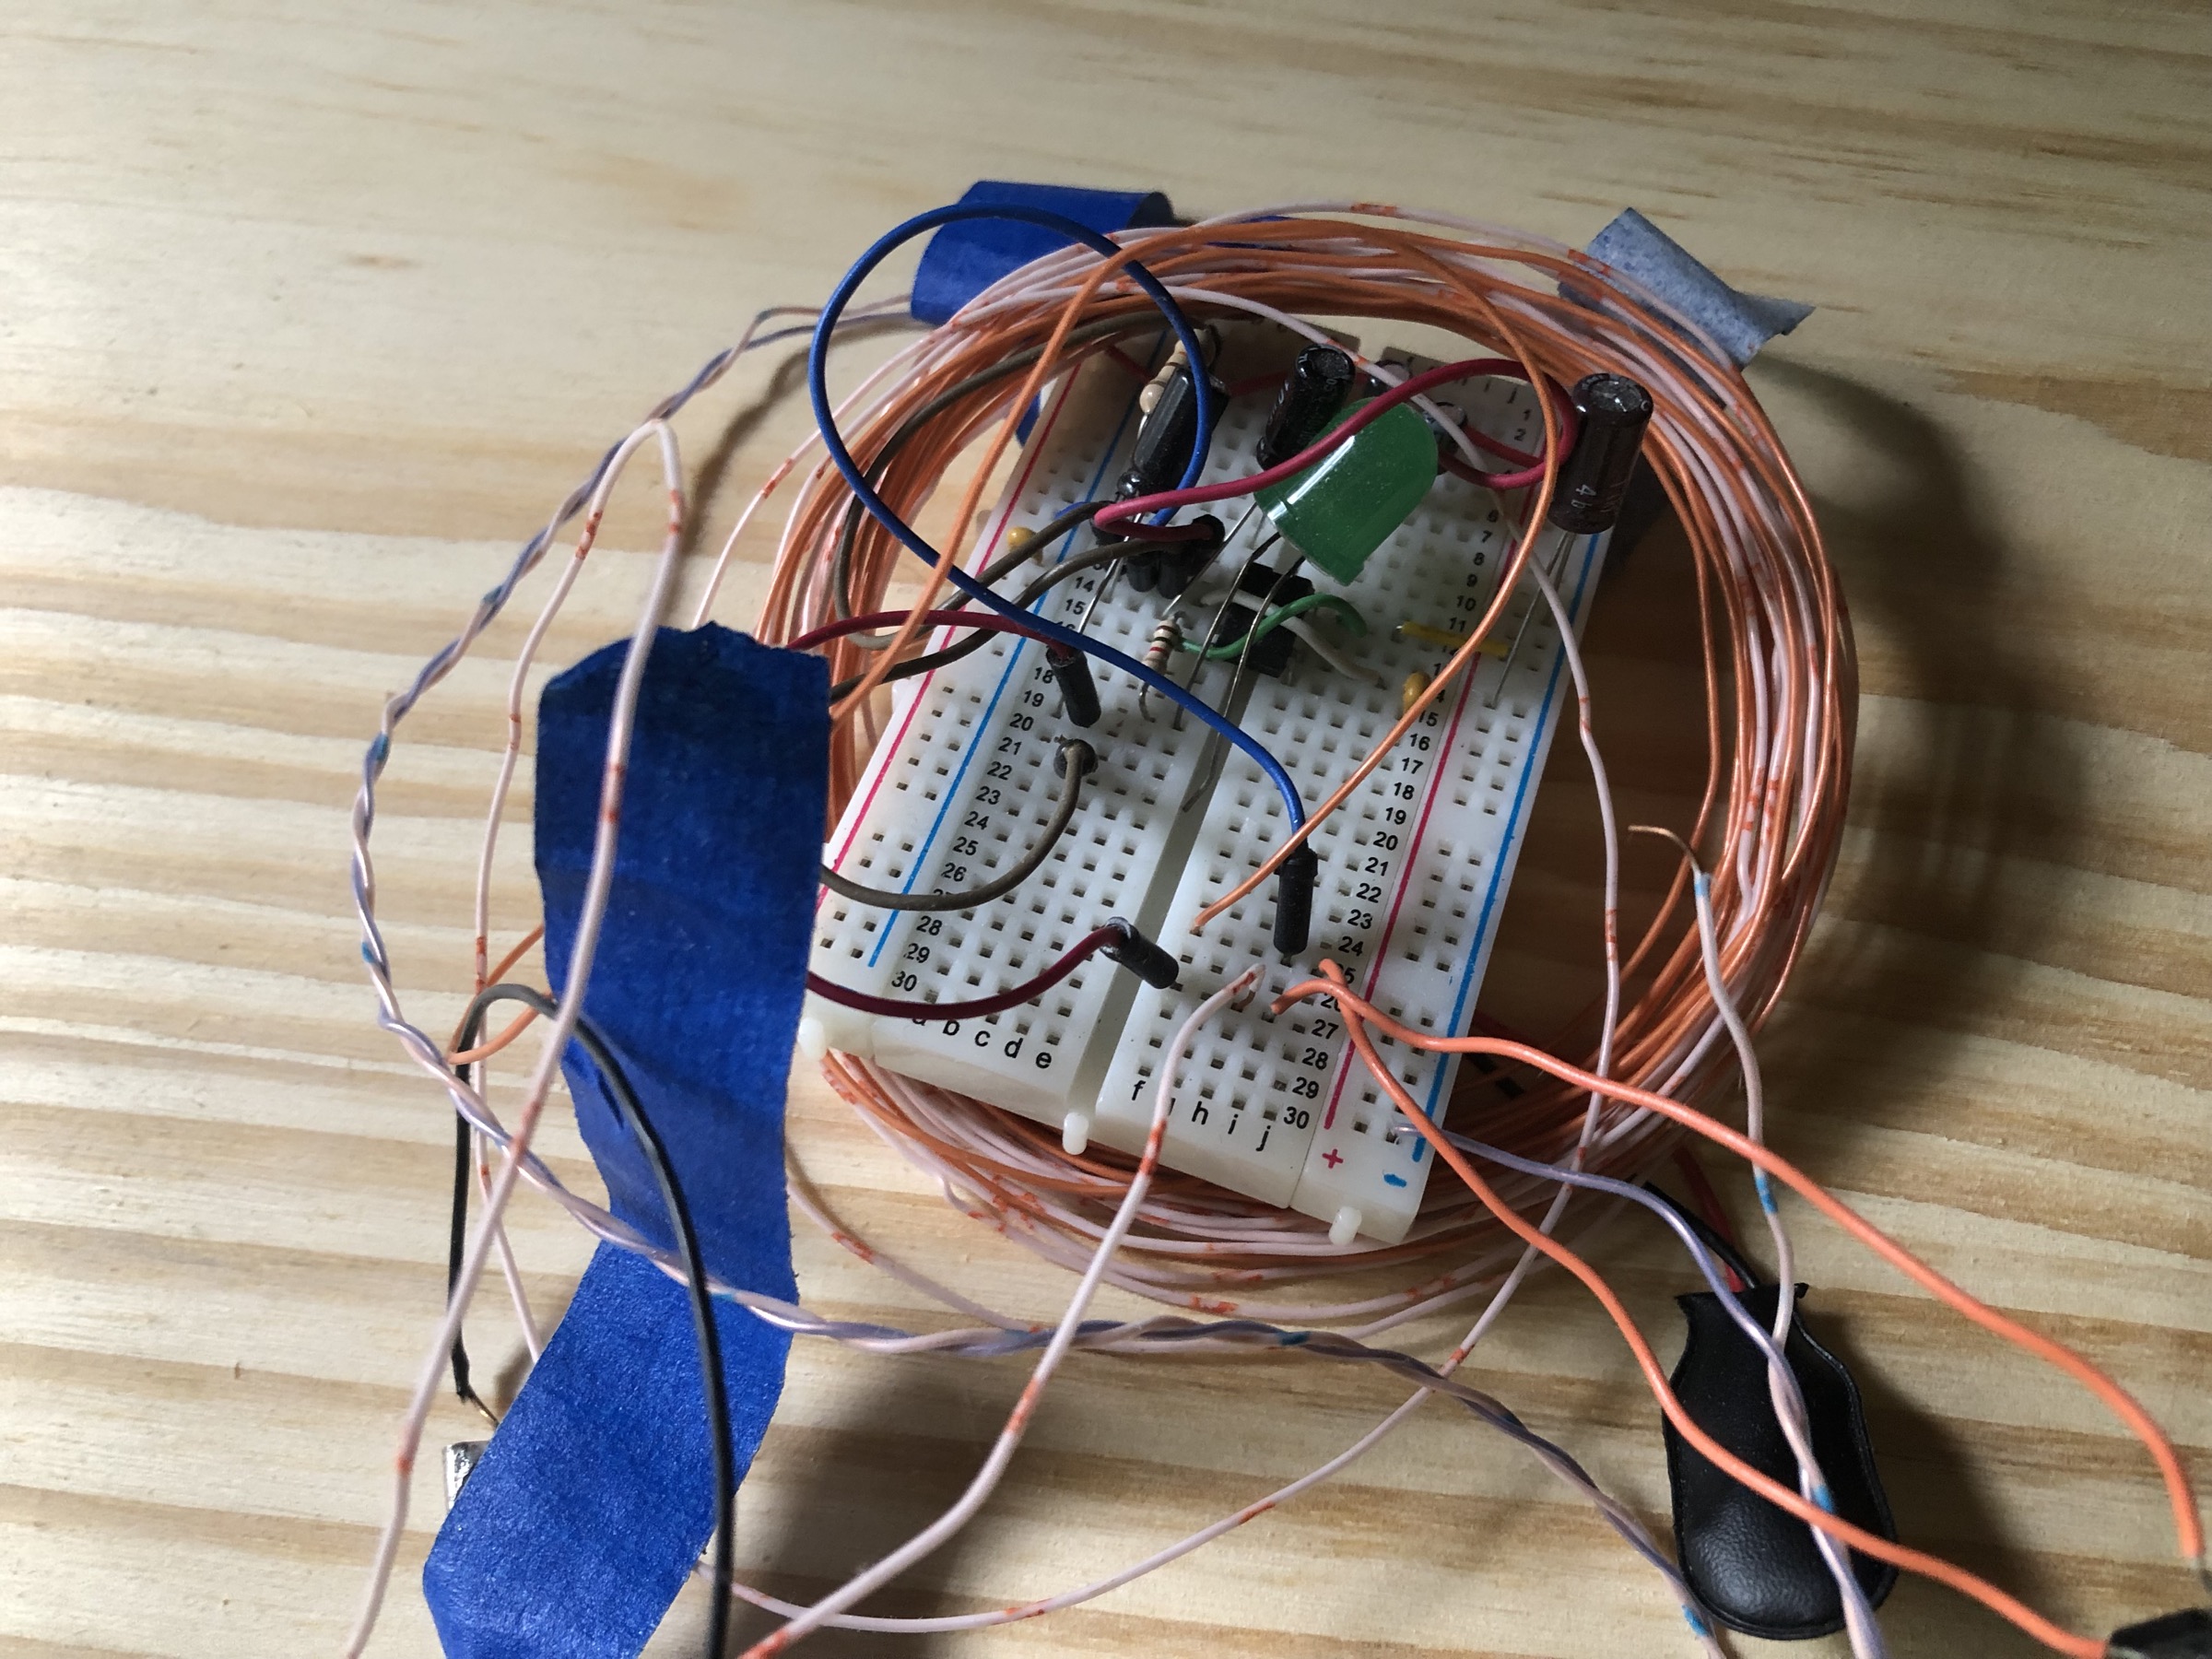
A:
x: 1858, y: 1538
x: 2188, y: 1528
x: 1290, y: 264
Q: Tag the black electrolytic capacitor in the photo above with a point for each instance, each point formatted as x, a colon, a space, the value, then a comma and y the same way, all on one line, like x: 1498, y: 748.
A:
x: 1164, y: 439
x: 1078, y: 688
x: 1613, y: 411
x: 1316, y: 387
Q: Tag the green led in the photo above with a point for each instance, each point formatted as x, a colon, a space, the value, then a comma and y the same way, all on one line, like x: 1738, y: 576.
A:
x: 1343, y: 507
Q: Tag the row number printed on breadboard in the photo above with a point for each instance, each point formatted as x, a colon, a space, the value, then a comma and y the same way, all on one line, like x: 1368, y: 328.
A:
x: 1413, y: 868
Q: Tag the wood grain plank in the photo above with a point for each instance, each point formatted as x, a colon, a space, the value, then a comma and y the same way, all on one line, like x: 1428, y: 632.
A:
x: 314, y: 308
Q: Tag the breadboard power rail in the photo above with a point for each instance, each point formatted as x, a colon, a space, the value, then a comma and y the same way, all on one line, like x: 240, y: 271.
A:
x: 1413, y: 868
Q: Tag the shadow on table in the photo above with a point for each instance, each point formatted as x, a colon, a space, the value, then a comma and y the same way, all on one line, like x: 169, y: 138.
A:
x: 1965, y: 775
x: 1956, y: 777
x: 863, y: 1485
x: 787, y: 382
x: 1962, y: 778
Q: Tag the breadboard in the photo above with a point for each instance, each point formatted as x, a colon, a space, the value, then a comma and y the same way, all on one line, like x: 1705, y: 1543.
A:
x: 1413, y: 868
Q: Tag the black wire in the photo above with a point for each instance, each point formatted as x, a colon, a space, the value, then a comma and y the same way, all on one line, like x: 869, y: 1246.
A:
x: 841, y: 563
x: 1043, y: 583
x: 1064, y: 523
x: 695, y: 1272
x: 1007, y: 563
x: 456, y: 1247
x: 1079, y: 759
x: 1730, y: 1256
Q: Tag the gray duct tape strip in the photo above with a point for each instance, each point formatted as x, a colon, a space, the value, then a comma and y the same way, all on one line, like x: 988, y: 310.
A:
x: 1741, y: 322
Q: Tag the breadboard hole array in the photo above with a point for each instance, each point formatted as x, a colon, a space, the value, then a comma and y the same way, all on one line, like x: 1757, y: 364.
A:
x: 963, y: 784
x: 1413, y: 867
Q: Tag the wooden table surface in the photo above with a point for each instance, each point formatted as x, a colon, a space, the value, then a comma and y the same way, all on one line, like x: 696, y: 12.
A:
x: 308, y: 313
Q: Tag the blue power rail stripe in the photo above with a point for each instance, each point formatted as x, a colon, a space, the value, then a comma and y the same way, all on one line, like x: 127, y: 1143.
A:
x: 1005, y: 678
x: 1512, y: 828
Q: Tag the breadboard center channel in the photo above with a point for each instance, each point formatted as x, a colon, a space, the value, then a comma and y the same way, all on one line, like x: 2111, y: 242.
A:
x: 1414, y: 867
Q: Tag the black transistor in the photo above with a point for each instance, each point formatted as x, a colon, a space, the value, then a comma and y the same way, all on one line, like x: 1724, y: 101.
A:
x: 1270, y: 590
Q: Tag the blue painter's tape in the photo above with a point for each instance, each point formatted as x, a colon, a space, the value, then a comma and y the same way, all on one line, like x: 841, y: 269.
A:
x: 965, y: 257
x: 590, y: 1507
x: 1742, y: 323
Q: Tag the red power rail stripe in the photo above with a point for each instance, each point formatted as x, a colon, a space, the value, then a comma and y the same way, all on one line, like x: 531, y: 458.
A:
x: 1034, y: 453
x: 1413, y: 852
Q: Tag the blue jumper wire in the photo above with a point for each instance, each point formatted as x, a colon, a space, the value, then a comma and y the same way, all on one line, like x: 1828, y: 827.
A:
x: 863, y: 491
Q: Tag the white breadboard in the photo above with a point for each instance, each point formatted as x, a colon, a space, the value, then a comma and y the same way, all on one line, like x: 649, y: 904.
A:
x: 1413, y: 868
